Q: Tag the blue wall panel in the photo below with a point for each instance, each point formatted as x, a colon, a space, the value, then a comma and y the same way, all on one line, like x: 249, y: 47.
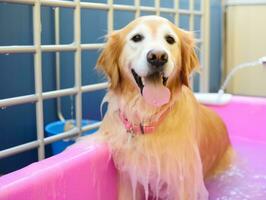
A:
x: 215, y: 45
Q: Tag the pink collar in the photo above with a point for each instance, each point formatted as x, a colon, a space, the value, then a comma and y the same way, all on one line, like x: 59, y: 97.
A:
x: 141, y: 129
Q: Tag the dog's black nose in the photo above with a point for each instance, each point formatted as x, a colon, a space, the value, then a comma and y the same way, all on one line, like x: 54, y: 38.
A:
x: 157, y: 58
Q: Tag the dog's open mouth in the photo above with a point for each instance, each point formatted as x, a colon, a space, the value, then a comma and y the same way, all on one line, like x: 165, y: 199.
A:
x: 140, y: 81
x: 153, y: 88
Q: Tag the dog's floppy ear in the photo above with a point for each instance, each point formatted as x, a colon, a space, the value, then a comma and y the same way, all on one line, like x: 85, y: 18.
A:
x: 108, y: 61
x: 189, y: 59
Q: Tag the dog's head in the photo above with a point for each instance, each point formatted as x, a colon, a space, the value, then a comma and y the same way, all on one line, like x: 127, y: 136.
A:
x: 150, y: 56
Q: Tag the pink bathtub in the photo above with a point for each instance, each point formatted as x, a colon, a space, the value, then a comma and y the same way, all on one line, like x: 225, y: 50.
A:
x: 72, y: 175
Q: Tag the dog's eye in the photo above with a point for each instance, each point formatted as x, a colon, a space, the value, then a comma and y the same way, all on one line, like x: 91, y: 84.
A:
x: 169, y: 39
x: 137, y: 38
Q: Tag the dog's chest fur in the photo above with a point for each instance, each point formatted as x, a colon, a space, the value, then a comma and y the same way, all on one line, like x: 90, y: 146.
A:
x: 161, y: 161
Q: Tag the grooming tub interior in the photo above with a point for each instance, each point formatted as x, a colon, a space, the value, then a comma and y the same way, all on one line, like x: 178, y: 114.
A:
x: 87, y: 172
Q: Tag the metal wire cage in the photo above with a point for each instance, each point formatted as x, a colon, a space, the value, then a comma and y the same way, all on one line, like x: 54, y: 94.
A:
x: 38, y: 48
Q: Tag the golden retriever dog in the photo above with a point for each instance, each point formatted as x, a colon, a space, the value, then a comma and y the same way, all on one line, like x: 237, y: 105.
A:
x: 163, y: 142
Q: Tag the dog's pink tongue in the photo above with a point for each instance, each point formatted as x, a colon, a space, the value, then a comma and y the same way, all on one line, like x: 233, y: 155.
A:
x: 156, y: 94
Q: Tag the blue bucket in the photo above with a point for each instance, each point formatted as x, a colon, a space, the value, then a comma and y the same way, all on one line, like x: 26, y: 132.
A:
x: 57, y: 127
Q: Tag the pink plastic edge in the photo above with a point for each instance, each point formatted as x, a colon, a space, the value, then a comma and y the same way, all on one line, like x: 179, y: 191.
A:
x: 77, y: 173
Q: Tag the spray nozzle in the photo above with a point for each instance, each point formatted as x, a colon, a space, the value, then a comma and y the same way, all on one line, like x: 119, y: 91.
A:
x: 263, y: 61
